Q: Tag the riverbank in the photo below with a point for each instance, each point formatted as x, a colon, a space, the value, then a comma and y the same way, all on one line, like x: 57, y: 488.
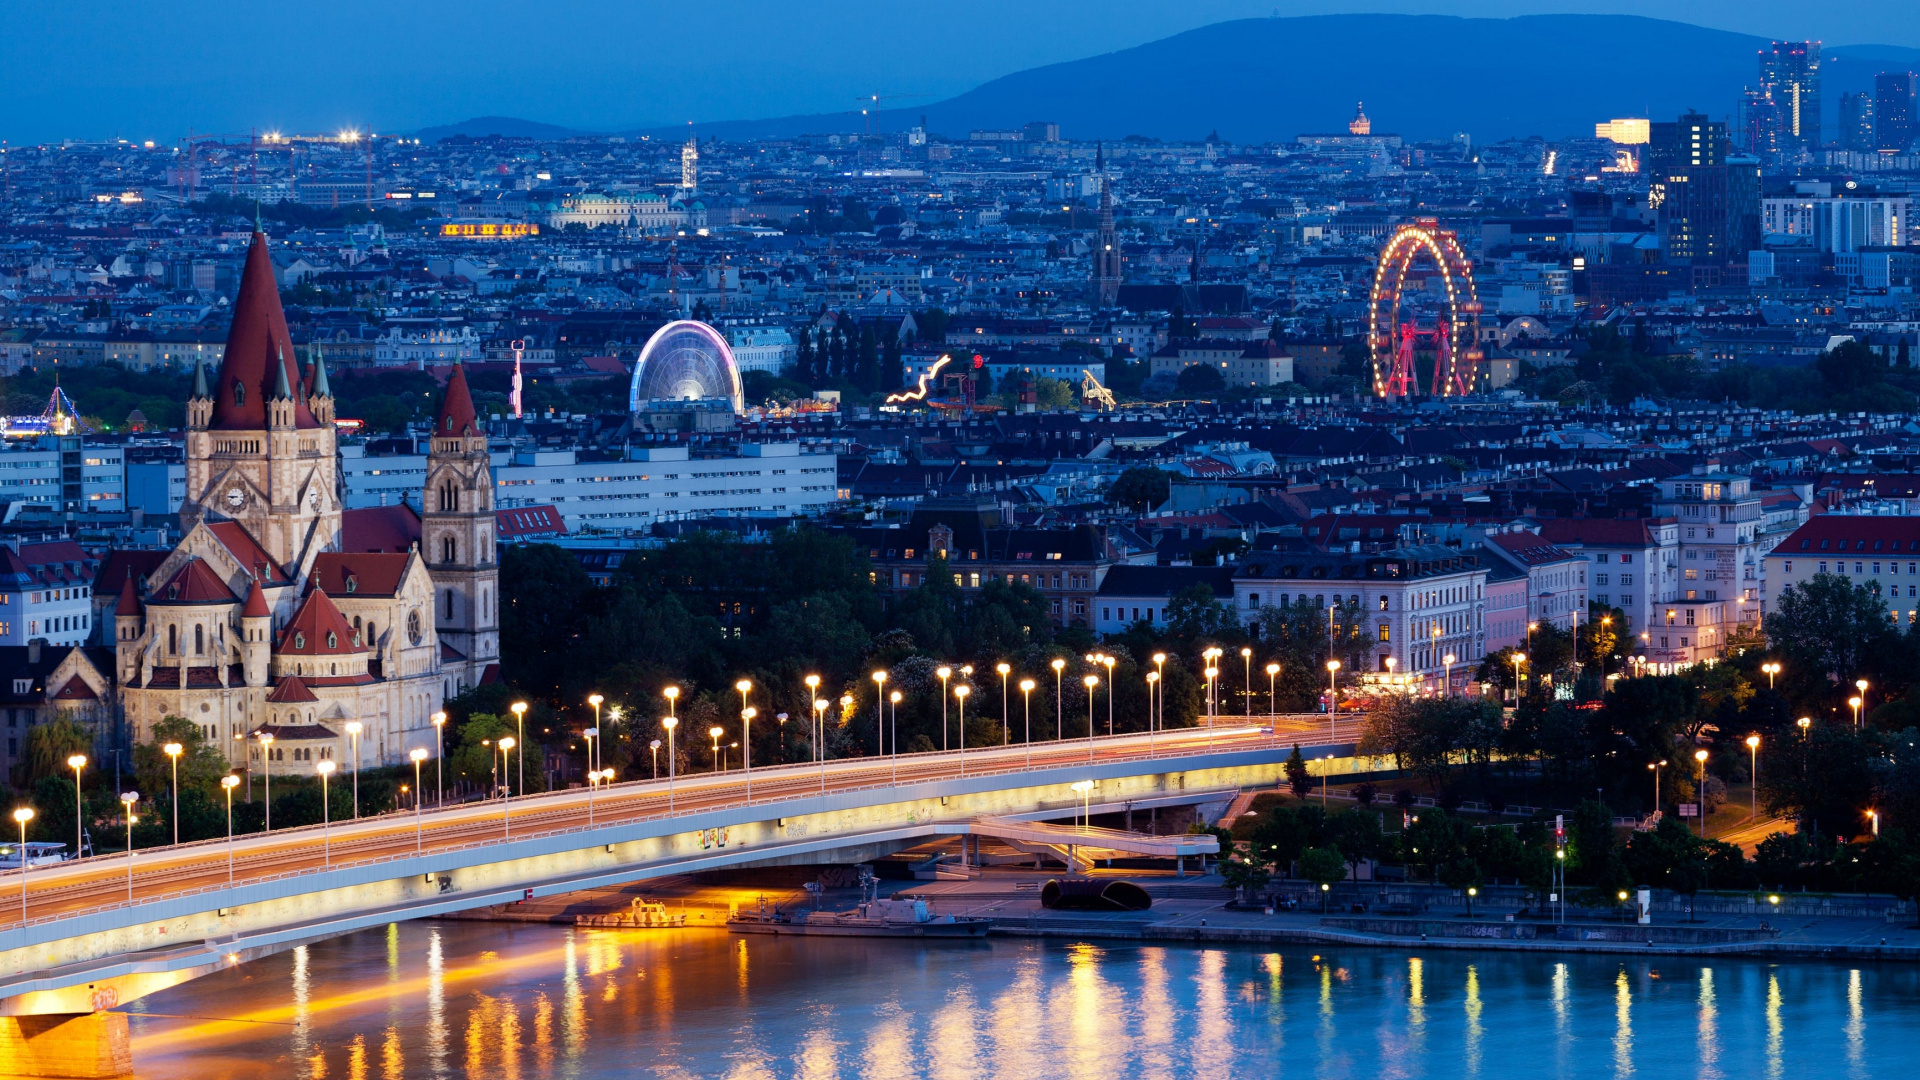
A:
x: 1194, y: 910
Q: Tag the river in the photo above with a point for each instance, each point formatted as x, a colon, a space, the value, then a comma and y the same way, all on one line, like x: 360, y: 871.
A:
x: 528, y: 1002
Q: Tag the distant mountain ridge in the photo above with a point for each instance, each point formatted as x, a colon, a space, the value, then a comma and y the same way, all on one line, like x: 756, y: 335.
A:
x: 1263, y: 80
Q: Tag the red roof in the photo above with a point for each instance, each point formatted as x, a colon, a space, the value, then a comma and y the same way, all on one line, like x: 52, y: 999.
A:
x: 76, y: 690
x: 523, y: 521
x: 1853, y: 534
x: 257, y: 341
x: 1597, y: 532
x: 456, y: 409
x: 256, y: 607
x: 359, y: 573
x: 379, y: 528
x: 290, y: 691
x: 1529, y: 549
x: 139, y: 562
x: 130, y: 600
x: 247, y: 551
x: 194, y: 583
x: 318, y: 629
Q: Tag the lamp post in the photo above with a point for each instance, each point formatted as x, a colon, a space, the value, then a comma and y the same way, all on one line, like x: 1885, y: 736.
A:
x: 1855, y: 702
x: 1333, y: 696
x: 1772, y: 669
x: 593, y: 758
x: 1446, y: 678
x: 593, y: 781
x: 1518, y: 659
x: 325, y: 769
x: 1753, y: 777
x: 589, y: 736
x: 1861, y: 685
x: 879, y: 712
x: 520, y: 733
x: 746, y: 746
x: 893, y: 736
x: 1654, y: 768
x: 654, y: 747
x: 813, y: 696
x: 820, y: 730
x: 227, y: 784
x: 127, y: 800
x: 172, y: 750
x: 1006, y: 723
x: 669, y: 723
x: 506, y: 804
x: 22, y: 815
x: 1059, y: 717
x: 439, y: 753
x: 945, y: 673
x: 1273, y: 709
x: 354, y: 728
x: 714, y: 733
x: 266, y: 772
x: 1153, y: 679
x: 1246, y: 657
x: 1085, y: 788
x: 1026, y: 695
x: 1091, y: 681
x: 419, y: 757
x: 1159, y: 667
x: 961, y: 693
x: 1531, y: 627
x: 76, y: 763
x: 1108, y: 661
x: 1700, y: 756
x: 1804, y: 723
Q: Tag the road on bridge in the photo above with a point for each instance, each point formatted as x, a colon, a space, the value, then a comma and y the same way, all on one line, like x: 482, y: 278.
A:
x: 102, y: 882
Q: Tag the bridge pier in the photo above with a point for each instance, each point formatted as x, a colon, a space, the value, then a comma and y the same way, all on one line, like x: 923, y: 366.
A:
x: 66, y: 1046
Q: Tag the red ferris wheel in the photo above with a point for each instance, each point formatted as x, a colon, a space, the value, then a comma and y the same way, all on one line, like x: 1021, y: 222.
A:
x: 1394, y: 336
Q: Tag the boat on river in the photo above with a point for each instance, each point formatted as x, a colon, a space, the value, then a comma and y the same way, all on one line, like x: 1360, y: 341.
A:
x: 873, y: 918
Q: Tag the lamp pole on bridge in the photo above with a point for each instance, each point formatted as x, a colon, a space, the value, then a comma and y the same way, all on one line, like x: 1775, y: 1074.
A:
x: 1333, y: 697
x: 325, y: 769
x: 593, y: 758
x: 228, y: 783
x: 439, y: 752
x: 354, y: 728
x: 76, y: 763
x: 879, y: 712
x: 944, y: 673
x: 1059, y: 713
x: 1153, y: 683
x: 961, y: 692
x: 1246, y: 655
x: 506, y: 804
x: 1006, y: 722
x: 893, y: 717
x: 23, y: 815
x: 520, y: 724
x: 1212, y: 673
x: 1272, y: 709
x: 266, y: 772
x: 127, y: 800
x: 1107, y: 662
x: 1026, y: 695
x: 669, y: 723
x: 419, y: 757
x: 172, y: 750
x: 746, y: 745
x: 1159, y: 670
x: 813, y: 696
x: 1091, y: 681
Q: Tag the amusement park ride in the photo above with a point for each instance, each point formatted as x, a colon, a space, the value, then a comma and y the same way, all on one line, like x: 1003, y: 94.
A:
x: 1393, y: 340
x: 60, y: 417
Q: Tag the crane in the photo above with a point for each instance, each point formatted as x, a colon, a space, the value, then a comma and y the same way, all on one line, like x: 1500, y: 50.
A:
x: 871, y: 104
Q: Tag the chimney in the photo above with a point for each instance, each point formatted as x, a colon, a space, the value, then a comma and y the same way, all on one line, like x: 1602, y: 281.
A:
x: 33, y: 650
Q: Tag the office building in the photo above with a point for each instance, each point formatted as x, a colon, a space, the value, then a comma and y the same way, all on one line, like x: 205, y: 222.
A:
x: 1687, y: 185
x: 1790, y: 75
x: 1893, y: 104
x: 1856, y: 122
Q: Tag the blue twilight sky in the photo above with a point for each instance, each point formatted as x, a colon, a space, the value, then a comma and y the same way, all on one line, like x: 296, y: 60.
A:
x: 149, y: 69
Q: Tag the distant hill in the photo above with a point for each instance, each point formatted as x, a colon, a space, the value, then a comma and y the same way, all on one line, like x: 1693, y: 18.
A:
x: 1421, y: 76
x: 507, y: 126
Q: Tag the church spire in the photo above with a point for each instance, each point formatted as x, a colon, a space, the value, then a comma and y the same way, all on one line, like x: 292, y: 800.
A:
x: 456, y: 409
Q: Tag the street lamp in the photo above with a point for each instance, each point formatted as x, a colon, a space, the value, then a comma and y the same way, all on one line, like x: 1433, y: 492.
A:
x: 439, y: 752
x: 1872, y: 816
x: 1446, y: 677
x: 746, y: 746
x: 1153, y: 680
x: 669, y: 723
x: 1861, y: 685
x: 1006, y: 723
x: 879, y: 712
x: 1211, y: 674
x: 172, y: 750
x: 419, y: 756
x: 1771, y: 669
x: 1059, y: 717
x: 1518, y: 659
x: 520, y: 732
x: 1655, y: 767
x: 1159, y: 664
x: 76, y: 763
x: 127, y: 801
x: 1753, y: 780
x: 1854, y: 701
x: 1026, y: 694
x: 506, y: 804
x: 325, y: 769
x: 945, y: 673
x: 23, y: 815
x: 1804, y: 722
x: 654, y: 746
x: 714, y: 733
x: 266, y: 766
x: 593, y: 759
x: 353, y: 739
x: 1246, y: 656
x: 227, y: 784
x: 893, y: 736
x: 1531, y: 627
x: 1085, y: 788
x: 961, y: 693
x: 1700, y: 756
x: 1108, y: 661
x: 1091, y: 681
x: 1333, y: 695
x: 1273, y: 710
x: 672, y: 694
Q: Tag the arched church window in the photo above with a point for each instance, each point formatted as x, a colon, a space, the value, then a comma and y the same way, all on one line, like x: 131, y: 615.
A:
x: 333, y: 640
x: 239, y: 392
x: 449, y: 603
x: 413, y: 627
x: 299, y: 639
x: 448, y: 549
x: 199, y: 640
x: 173, y: 640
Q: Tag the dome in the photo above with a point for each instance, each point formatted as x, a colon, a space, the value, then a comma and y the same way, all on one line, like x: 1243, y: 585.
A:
x: 686, y: 361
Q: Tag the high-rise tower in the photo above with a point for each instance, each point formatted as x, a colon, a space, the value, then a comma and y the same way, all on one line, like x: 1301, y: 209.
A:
x: 1106, y: 252
x: 457, y: 533
x: 1893, y: 104
x: 1790, y: 75
x: 690, y: 166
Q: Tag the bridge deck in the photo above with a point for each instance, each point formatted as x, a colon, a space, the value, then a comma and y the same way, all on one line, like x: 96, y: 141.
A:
x: 1132, y: 843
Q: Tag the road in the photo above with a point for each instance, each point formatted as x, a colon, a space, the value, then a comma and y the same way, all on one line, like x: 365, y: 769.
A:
x: 102, y: 882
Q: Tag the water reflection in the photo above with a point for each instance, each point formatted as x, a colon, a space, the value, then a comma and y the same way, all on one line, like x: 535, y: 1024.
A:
x: 491, y: 1002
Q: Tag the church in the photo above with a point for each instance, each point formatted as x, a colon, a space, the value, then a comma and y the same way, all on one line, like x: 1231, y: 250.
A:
x: 282, y: 617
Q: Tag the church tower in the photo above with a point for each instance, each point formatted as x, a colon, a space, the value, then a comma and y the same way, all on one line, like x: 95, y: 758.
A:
x: 457, y: 535
x: 1106, y: 248
x: 260, y: 441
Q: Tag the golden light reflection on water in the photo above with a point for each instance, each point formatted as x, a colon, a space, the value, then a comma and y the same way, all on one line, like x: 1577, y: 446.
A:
x: 439, y: 1001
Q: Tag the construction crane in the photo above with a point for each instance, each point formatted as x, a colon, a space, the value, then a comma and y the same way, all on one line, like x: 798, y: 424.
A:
x: 871, y: 104
x: 1092, y: 391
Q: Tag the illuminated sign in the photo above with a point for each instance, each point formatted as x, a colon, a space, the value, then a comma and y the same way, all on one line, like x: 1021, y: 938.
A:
x: 489, y: 230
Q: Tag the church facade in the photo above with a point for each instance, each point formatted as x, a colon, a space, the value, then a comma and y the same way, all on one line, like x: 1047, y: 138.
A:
x: 283, y: 618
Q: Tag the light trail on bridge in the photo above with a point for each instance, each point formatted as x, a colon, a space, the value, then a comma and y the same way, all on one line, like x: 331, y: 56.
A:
x: 100, y: 883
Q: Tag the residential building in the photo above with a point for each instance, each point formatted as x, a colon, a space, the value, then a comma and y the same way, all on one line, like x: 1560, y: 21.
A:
x: 1135, y: 594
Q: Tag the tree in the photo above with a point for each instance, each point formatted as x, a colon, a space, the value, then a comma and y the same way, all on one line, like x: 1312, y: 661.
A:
x: 1297, y: 777
x: 1826, y: 626
x: 1323, y: 866
x: 1140, y: 488
x: 1053, y: 394
x: 1463, y: 876
x: 1242, y: 867
x: 1199, y: 380
x: 49, y: 745
x: 1194, y: 613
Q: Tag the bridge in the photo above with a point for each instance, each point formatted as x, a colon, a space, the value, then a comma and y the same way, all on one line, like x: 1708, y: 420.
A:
x: 102, y: 931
